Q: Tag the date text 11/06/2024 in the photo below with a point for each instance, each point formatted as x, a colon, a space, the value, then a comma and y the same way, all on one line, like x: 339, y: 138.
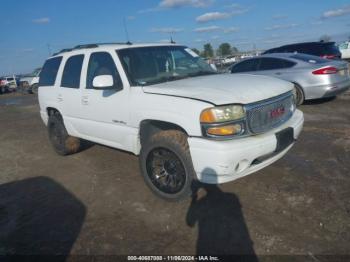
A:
x: 173, y: 258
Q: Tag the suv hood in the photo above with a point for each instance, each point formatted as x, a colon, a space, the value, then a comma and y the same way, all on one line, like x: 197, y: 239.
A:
x: 223, y: 89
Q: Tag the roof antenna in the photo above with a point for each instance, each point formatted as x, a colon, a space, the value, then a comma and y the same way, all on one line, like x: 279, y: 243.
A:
x: 126, y: 32
x: 172, y: 41
x: 49, y: 49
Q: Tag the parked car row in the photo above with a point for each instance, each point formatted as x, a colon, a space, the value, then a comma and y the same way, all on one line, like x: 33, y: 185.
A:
x: 8, y: 84
x: 30, y: 82
x: 27, y: 83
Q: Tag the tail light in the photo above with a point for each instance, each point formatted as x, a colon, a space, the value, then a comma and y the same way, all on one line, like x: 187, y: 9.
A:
x: 329, y: 56
x: 326, y: 71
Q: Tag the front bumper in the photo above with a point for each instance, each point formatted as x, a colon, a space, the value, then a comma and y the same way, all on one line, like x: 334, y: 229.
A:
x: 223, y: 161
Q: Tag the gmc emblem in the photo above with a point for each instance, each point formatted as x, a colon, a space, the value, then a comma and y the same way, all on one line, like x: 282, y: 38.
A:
x: 277, y: 112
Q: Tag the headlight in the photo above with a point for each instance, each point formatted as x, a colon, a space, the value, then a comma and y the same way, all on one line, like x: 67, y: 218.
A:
x: 222, y: 114
x: 223, y: 121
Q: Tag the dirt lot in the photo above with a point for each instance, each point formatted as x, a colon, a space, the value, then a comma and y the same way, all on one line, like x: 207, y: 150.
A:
x: 96, y: 202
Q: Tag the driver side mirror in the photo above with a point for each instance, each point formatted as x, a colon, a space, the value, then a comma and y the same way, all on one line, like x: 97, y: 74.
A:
x: 103, y: 82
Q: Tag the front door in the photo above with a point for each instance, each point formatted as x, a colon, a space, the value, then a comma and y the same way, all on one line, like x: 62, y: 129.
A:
x: 105, y: 112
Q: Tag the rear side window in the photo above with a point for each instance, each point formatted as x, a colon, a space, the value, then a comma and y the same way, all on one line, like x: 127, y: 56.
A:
x: 274, y: 63
x: 102, y: 63
x: 49, y: 72
x: 72, y: 71
x: 245, y: 66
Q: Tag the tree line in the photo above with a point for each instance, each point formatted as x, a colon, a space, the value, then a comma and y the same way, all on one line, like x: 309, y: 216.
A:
x: 224, y: 49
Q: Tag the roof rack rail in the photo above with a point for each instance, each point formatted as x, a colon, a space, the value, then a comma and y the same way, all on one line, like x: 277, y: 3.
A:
x: 89, y: 46
x: 116, y: 43
x: 63, y: 51
x: 86, y: 46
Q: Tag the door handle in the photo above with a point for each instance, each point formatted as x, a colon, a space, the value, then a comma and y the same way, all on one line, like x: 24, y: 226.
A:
x: 59, y: 98
x: 85, y: 100
x: 278, y: 73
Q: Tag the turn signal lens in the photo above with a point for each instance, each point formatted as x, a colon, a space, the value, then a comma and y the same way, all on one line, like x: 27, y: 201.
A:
x: 208, y: 116
x: 228, y: 130
x: 222, y: 114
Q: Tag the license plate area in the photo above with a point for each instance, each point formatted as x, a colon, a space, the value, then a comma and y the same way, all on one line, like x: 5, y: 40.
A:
x: 284, y: 139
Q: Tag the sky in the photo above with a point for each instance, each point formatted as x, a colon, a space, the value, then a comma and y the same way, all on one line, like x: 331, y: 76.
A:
x: 34, y: 29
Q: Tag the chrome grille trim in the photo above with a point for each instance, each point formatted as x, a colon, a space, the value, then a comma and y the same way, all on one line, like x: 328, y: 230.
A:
x: 259, y: 119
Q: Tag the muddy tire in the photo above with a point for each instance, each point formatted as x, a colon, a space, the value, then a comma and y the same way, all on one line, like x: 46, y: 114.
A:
x: 63, y: 143
x: 300, y: 95
x: 166, y: 165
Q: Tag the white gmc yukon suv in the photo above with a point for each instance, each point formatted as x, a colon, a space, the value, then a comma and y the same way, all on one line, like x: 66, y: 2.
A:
x: 165, y: 104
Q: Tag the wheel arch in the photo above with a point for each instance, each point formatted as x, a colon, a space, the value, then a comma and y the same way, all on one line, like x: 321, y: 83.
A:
x: 52, y: 110
x: 149, y: 127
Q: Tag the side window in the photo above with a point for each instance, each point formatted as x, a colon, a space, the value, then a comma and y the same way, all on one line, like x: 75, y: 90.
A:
x: 101, y: 63
x: 246, y: 66
x: 72, y: 72
x: 49, y: 72
x: 274, y: 63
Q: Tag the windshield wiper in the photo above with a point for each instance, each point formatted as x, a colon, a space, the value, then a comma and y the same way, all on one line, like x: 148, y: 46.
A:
x: 164, y: 79
x: 202, y: 73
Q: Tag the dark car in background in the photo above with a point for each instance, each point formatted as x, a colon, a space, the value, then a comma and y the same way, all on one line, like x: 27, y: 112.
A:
x: 323, y: 49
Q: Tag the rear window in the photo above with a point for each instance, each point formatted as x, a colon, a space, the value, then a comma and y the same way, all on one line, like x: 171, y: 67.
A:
x: 309, y: 58
x: 49, y: 72
x: 9, y: 79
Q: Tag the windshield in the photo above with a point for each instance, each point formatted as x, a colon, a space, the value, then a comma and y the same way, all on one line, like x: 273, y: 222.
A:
x: 153, y: 65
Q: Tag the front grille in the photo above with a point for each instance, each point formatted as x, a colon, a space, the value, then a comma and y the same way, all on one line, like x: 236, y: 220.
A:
x: 266, y: 115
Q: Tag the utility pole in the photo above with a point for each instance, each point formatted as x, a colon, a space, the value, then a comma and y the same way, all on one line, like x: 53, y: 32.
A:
x: 49, y: 49
x: 126, y: 31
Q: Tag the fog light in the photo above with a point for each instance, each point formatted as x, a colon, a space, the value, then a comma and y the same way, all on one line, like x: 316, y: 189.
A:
x: 228, y: 130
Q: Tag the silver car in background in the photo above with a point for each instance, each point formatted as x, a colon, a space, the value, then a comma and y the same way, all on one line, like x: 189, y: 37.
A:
x: 313, y: 77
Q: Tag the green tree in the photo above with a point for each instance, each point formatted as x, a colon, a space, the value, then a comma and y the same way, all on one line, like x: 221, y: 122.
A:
x: 224, y: 49
x: 208, y: 51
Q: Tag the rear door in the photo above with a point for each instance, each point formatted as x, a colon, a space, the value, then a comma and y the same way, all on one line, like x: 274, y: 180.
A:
x: 69, y: 93
x: 49, y: 84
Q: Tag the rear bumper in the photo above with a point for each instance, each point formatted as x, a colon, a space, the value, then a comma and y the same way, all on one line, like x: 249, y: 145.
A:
x: 337, y: 90
x: 314, y: 92
x: 223, y: 161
